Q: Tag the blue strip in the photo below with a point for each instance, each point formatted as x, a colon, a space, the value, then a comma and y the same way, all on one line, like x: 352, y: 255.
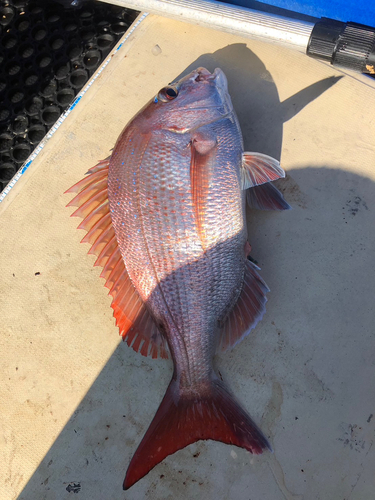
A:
x: 75, y: 102
x: 26, y: 166
x: 341, y: 10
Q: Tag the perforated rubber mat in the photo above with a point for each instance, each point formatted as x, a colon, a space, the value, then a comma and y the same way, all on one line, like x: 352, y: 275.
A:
x: 48, y: 51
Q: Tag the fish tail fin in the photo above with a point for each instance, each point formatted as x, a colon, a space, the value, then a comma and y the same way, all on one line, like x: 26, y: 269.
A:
x: 184, y: 418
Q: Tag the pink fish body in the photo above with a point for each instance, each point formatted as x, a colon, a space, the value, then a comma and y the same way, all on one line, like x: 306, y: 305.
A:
x: 166, y: 216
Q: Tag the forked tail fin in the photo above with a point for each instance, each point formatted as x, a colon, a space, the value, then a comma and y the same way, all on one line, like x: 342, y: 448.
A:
x: 184, y: 419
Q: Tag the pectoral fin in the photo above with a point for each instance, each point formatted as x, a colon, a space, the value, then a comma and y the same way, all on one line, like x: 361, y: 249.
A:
x: 203, y: 150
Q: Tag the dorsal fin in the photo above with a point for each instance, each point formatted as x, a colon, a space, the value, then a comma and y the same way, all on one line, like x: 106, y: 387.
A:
x: 135, y: 323
x: 258, y: 168
x: 248, y: 311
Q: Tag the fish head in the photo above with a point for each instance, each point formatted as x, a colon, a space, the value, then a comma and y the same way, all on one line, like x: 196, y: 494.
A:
x: 198, y: 99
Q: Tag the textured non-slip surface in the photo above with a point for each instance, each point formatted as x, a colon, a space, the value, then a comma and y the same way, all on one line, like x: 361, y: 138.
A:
x: 47, y: 54
x: 75, y: 401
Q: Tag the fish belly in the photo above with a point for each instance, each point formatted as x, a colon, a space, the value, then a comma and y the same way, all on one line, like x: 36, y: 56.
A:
x: 188, y: 288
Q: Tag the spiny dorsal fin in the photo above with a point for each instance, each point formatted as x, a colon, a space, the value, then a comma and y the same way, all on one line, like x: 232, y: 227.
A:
x: 135, y: 323
x: 248, y: 311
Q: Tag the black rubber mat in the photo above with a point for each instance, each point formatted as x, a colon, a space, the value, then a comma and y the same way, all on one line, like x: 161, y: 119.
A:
x: 48, y: 51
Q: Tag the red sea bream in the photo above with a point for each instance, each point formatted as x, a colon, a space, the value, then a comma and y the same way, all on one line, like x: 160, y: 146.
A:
x: 165, y: 215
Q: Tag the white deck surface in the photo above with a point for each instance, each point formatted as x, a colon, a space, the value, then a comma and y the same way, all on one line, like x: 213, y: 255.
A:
x: 75, y: 401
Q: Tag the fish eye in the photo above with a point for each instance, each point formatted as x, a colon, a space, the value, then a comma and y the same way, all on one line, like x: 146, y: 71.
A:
x: 168, y: 94
x: 171, y: 93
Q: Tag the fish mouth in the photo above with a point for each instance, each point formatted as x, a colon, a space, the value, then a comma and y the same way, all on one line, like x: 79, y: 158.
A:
x: 203, y: 75
x: 221, y: 84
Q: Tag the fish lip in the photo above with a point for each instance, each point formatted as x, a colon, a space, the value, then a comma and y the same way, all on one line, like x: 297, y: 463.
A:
x: 220, y: 79
x: 221, y: 83
x: 203, y: 75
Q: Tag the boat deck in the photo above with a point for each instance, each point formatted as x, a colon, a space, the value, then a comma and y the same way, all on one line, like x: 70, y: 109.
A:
x: 76, y: 401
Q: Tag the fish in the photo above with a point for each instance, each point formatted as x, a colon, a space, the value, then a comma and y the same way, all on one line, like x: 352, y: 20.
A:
x: 165, y: 215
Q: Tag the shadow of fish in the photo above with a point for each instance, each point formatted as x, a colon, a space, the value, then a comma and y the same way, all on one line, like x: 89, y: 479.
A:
x: 165, y: 215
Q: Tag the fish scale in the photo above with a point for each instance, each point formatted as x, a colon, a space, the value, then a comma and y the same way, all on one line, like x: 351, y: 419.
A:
x: 184, y: 313
x: 176, y: 186
x: 157, y: 236
x: 187, y: 288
